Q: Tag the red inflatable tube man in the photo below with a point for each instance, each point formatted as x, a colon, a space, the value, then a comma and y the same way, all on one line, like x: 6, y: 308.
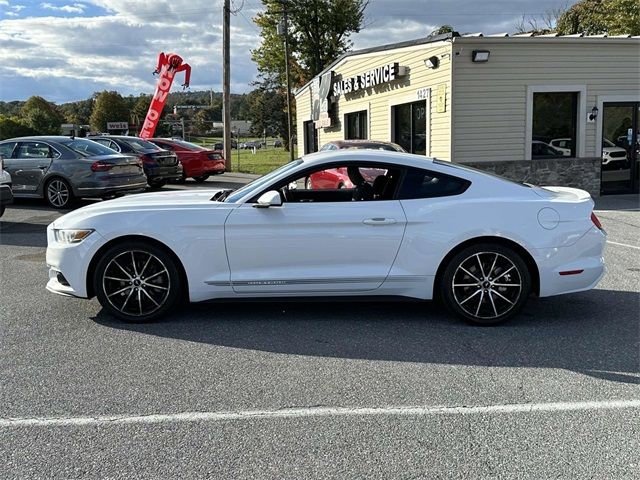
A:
x: 168, y: 66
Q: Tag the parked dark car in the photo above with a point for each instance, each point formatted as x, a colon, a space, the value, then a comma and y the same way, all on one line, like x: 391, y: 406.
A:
x: 220, y: 145
x: 160, y: 166
x: 63, y: 168
x: 277, y: 143
x: 197, y: 162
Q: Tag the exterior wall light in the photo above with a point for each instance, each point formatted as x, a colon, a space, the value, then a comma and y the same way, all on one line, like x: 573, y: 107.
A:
x: 432, y: 62
x: 480, y: 56
x: 594, y: 114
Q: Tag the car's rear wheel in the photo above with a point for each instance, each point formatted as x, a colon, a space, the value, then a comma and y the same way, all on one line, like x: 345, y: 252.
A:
x: 156, y: 184
x: 486, y: 284
x: 137, y: 282
x: 201, y: 178
x: 58, y: 193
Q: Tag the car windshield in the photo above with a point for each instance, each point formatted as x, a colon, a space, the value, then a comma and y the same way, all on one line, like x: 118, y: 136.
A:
x: 87, y: 148
x: 259, y: 182
x: 607, y: 143
x: 140, y: 145
x: 189, y: 145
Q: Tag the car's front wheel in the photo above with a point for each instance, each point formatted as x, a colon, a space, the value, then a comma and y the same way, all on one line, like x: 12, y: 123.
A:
x: 137, y: 282
x: 486, y: 284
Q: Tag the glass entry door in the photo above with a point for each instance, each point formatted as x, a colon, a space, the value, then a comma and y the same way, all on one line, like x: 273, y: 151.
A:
x: 410, y: 126
x: 620, y: 148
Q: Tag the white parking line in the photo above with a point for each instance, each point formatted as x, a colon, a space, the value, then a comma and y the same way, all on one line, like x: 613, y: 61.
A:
x: 102, y: 420
x: 623, y: 244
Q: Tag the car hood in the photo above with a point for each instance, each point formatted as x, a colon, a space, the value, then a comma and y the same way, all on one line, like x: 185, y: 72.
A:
x: 180, y: 200
x: 613, y: 149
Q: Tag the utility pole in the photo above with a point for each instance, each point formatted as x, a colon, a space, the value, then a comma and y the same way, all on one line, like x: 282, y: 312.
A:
x: 286, y: 59
x: 226, y: 84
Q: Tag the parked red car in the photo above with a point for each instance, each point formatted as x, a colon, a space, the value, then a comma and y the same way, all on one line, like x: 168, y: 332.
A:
x: 198, y: 162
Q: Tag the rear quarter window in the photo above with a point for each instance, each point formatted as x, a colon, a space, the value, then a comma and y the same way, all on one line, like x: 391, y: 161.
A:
x: 419, y: 183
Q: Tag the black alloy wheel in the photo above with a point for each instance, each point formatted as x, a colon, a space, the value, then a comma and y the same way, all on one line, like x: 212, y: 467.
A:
x: 486, y: 284
x: 137, y: 282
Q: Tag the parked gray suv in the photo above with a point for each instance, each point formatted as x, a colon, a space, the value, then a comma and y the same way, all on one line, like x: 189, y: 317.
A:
x: 60, y: 169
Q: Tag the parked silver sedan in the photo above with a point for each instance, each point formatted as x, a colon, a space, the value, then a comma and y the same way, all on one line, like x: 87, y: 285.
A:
x: 60, y: 169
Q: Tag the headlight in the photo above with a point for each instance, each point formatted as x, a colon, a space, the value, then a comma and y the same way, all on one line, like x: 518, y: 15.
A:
x: 71, y: 236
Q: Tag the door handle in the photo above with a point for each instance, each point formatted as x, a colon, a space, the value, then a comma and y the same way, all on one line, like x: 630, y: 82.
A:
x: 379, y: 221
x: 43, y: 167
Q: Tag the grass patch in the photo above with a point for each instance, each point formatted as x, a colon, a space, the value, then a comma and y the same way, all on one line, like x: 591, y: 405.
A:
x: 263, y: 161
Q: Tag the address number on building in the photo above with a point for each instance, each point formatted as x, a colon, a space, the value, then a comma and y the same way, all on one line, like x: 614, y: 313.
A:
x: 422, y: 93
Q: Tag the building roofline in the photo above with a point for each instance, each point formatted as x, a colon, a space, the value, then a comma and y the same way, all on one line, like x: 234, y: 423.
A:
x: 381, y: 48
x: 455, y: 37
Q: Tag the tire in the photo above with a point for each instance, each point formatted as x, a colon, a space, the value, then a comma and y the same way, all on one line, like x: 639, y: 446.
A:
x: 123, y: 291
x: 201, y: 178
x: 156, y: 184
x: 58, y: 193
x: 486, y: 284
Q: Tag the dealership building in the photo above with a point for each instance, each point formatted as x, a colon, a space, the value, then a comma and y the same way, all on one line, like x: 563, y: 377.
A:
x: 545, y: 109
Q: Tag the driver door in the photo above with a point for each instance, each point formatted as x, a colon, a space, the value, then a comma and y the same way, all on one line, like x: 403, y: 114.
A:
x: 313, y: 246
x: 29, y: 165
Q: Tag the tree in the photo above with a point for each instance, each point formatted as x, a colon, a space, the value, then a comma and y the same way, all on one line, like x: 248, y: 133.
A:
x: 319, y: 32
x: 623, y: 17
x: 442, y: 29
x: 585, y: 16
x: 592, y: 17
x: 11, y: 127
x: 41, y: 116
x: 267, y: 113
x: 109, y: 107
x: 77, y: 113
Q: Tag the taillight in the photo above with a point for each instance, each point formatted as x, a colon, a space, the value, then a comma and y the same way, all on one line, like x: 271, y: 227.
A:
x: 596, y: 221
x: 100, y: 166
x: 147, y: 159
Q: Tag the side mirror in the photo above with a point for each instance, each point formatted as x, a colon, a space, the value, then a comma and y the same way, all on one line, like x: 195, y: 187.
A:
x: 268, y: 199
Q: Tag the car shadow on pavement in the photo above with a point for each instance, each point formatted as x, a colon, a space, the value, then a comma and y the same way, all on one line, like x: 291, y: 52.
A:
x: 23, y: 234
x: 595, y: 333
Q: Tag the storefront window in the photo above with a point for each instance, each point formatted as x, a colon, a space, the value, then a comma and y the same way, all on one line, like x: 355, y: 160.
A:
x: 356, y: 126
x: 554, y: 124
x: 410, y: 127
x: 310, y: 137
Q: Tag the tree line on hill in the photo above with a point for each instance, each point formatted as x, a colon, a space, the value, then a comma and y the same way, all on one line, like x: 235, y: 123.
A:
x: 38, y: 116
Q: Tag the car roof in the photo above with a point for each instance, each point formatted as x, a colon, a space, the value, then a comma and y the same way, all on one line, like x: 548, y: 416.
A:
x: 383, y: 156
x: 46, y: 138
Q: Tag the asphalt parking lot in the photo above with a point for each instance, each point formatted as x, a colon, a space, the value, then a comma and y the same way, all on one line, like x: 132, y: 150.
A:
x: 318, y: 390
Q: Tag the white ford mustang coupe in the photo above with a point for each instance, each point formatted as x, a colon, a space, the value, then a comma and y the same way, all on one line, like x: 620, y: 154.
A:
x: 414, y: 227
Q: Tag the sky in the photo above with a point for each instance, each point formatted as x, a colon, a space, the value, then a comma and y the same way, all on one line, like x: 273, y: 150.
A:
x: 66, y: 50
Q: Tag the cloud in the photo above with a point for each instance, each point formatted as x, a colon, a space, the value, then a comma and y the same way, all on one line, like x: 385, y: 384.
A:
x: 75, y: 8
x: 78, y: 47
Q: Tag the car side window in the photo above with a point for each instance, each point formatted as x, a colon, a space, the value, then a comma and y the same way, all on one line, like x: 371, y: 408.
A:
x: 6, y: 149
x: 355, y: 182
x: 419, y: 183
x: 35, y: 150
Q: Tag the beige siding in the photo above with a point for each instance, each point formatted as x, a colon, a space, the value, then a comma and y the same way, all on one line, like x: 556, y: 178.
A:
x: 378, y: 101
x: 490, y: 99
